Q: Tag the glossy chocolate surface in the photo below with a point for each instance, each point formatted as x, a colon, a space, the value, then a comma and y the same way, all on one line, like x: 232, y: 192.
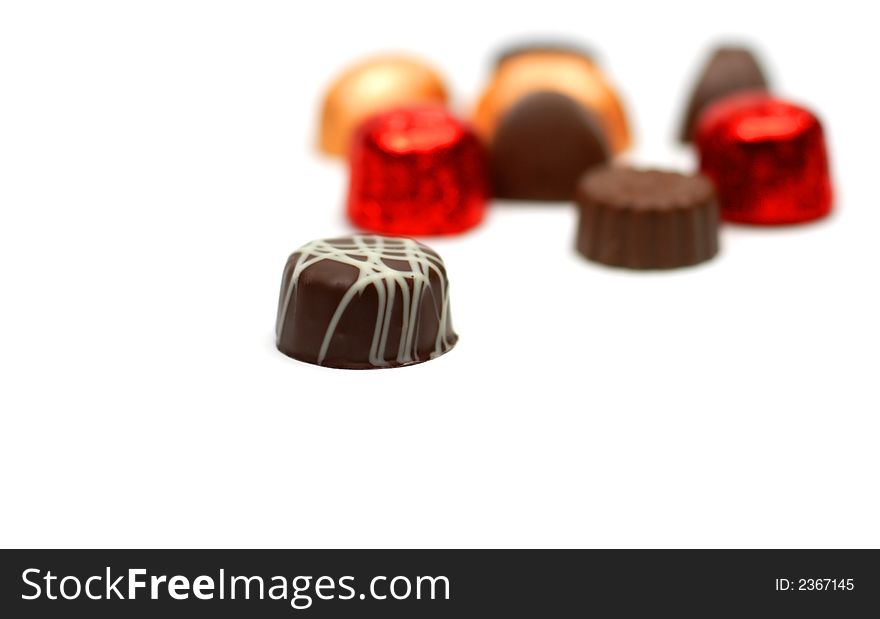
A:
x: 364, y: 302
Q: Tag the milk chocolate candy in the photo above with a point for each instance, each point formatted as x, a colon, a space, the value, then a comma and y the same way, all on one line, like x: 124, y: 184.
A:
x: 554, y: 69
x: 646, y: 219
x: 543, y: 146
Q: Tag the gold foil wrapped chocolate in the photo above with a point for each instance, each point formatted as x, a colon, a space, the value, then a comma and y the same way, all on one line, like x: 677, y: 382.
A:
x: 376, y: 85
x: 554, y: 70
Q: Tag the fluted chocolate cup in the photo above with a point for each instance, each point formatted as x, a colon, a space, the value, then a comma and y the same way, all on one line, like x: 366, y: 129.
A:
x: 646, y: 219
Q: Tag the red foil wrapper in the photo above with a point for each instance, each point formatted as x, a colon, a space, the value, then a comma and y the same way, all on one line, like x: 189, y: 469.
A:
x: 417, y: 171
x: 767, y: 159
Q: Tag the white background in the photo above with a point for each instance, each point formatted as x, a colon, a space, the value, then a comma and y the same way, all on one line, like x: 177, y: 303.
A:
x: 157, y: 166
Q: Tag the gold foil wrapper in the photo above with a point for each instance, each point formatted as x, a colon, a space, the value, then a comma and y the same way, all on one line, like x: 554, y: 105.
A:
x: 565, y: 72
x: 376, y: 85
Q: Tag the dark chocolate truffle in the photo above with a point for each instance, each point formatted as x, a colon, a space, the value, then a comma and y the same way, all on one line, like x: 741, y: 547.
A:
x: 646, y: 219
x: 543, y: 146
x: 364, y: 302
x: 729, y: 70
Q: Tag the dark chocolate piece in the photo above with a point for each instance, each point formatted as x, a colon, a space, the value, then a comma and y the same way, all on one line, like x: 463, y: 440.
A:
x: 646, y: 219
x: 364, y: 302
x: 542, y: 147
x: 729, y: 70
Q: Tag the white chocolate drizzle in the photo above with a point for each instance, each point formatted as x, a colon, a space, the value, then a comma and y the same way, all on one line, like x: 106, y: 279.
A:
x: 370, y: 256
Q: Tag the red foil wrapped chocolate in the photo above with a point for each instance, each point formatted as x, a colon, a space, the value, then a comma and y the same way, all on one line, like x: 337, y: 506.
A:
x: 417, y: 171
x: 767, y: 159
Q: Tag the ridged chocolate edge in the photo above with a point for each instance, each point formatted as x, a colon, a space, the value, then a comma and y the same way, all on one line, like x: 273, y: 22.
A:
x: 645, y: 239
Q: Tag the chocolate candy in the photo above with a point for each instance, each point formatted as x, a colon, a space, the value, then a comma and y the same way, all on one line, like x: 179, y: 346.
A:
x: 560, y: 70
x: 646, y: 219
x: 543, y: 146
x: 374, y: 86
x: 767, y: 158
x: 364, y: 302
x: 729, y: 70
x: 417, y: 171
